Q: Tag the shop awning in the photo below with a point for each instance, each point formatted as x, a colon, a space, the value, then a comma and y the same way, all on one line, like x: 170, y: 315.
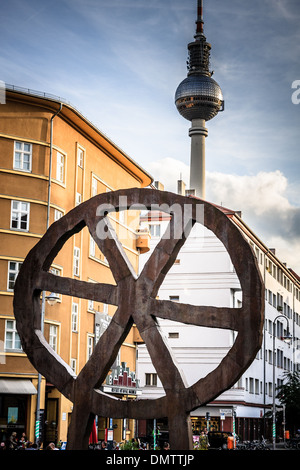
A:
x: 17, y: 387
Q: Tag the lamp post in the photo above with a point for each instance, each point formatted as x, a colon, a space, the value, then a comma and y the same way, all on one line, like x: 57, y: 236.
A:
x: 51, y: 300
x: 287, y: 338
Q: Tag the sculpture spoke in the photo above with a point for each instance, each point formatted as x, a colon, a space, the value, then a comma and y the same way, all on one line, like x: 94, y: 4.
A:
x: 198, y: 315
x: 106, y: 238
x: 105, y: 293
x: 158, y: 348
x: 95, y: 370
x: 165, y: 253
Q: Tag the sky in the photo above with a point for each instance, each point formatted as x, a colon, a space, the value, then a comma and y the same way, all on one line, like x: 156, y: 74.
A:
x: 120, y: 62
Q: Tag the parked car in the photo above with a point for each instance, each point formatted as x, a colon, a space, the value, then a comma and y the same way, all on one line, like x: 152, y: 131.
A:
x: 218, y: 439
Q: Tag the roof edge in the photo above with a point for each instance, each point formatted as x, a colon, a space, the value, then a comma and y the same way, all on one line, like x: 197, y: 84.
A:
x: 73, y: 114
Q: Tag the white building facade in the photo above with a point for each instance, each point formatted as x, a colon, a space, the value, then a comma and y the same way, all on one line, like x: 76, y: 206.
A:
x: 204, y: 275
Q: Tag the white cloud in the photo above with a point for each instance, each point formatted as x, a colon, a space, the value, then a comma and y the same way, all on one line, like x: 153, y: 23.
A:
x: 260, y: 194
x: 168, y: 171
x: 262, y: 199
x: 265, y: 207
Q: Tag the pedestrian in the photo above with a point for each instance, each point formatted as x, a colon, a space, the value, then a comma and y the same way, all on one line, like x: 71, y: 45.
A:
x: 2, y: 446
x: 203, y: 441
x: 13, y: 442
x: 166, y: 446
x: 103, y: 445
x: 23, y: 441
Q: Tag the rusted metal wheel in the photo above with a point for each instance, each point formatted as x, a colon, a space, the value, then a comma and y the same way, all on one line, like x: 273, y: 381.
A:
x: 135, y: 297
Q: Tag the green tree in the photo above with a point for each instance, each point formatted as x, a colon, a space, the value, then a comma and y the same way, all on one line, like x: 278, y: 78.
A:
x: 289, y: 395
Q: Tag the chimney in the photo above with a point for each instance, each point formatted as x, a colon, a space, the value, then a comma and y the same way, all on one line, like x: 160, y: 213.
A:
x: 159, y: 185
x: 181, y: 188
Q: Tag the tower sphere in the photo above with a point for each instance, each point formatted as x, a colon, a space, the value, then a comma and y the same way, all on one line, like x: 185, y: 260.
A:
x: 199, y: 97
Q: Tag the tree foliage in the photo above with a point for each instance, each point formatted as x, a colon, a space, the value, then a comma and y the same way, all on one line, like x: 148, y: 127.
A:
x: 289, y: 395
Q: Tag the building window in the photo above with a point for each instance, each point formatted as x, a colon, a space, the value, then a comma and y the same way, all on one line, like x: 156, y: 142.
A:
x: 174, y: 298
x: 60, y: 167
x: 74, y: 317
x: 22, y: 156
x: 122, y: 217
x: 270, y: 357
x: 73, y: 365
x: 279, y: 331
x: 13, y: 270
x: 239, y: 383
x: 151, y: 380
x: 56, y: 272
x: 92, y: 247
x: 270, y: 296
x: 97, y: 333
x: 80, y: 157
x: 94, y: 186
x: 154, y: 230
x: 270, y: 389
x: 90, y: 344
x: 105, y: 309
x: 173, y: 335
x: 78, y: 198
x: 57, y: 215
x: 53, y: 337
x: 279, y: 356
x: 12, y: 338
x: 19, y: 215
x: 76, y: 261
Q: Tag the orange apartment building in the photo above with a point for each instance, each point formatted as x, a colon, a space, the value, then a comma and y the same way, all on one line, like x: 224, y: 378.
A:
x: 36, y: 129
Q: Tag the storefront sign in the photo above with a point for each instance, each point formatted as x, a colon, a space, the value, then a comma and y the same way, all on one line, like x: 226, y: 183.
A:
x: 226, y: 411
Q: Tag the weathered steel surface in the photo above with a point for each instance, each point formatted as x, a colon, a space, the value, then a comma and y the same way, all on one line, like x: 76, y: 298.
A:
x: 135, y: 297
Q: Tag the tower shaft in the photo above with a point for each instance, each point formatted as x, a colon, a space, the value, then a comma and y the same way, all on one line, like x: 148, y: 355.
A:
x: 198, y: 133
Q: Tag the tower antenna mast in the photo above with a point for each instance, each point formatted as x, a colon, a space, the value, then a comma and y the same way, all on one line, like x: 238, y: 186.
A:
x: 199, y: 22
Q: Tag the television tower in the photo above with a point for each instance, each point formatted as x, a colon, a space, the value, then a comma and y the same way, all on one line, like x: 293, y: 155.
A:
x: 198, y: 98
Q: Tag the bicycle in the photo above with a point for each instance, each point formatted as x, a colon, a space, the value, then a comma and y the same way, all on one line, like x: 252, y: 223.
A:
x: 292, y: 444
x: 262, y: 445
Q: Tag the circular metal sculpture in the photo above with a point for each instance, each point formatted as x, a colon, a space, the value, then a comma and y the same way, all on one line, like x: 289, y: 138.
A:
x: 135, y: 297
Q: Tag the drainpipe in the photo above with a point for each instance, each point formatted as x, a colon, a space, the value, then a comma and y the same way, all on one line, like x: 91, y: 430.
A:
x: 264, y: 345
x: 50, y: 163
x: 38, y: 398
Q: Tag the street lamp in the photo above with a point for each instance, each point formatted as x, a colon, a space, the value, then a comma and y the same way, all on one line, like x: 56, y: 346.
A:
x: 287, y: 338
x: 52, y: 298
